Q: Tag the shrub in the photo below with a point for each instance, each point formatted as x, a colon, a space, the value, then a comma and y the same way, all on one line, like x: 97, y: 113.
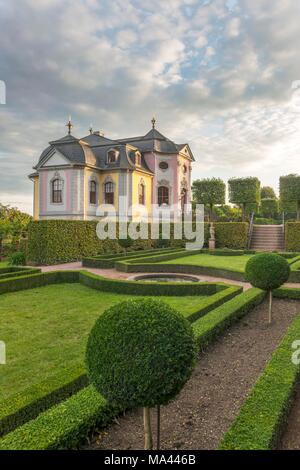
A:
x: 59, y: 241
x: 140, y: 353
x: 269, y: 207
x: 18, y: 259
x: 244, y: 192
x: 209, y: 192
x: 232, y: 235
x: 292, y: 236
x: 290, y: 192
x: 267, y: 271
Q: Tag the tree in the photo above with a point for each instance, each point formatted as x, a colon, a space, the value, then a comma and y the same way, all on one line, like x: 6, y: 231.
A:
x: 290, y: 192
x: 18, y: 222
x: 267, y: 271
x: 4, y: 232
x: 244, y: 191
x: 209, y: 192
x: 267, y: 192
x: 269, y: 208
x: 140, y: 353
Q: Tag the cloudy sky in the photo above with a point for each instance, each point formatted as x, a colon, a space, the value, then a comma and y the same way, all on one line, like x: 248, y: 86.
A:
x: 219, y: 74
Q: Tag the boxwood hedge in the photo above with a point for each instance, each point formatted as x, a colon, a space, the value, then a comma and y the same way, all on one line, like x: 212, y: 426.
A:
x: 292, y: 236
x: 59, y: 241
x: 29, y: 403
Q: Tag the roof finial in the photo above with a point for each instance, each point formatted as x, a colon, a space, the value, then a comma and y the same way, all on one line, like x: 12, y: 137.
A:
x: 91, y: 128
x: 69, y: 125
x: 153, y: 120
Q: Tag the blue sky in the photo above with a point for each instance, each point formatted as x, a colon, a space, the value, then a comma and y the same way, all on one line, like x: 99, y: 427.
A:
x: 220, y: 74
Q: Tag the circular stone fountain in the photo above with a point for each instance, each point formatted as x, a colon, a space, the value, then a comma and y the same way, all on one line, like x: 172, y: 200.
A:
x: 166, y: 277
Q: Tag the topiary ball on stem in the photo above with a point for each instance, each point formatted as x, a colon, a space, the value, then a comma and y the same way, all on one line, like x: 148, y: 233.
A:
x: 140, y: 353
x: 267, y: 271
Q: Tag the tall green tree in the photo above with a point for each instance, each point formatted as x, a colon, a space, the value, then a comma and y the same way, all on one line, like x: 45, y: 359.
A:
x: 269, y: 207
x: 210, y: 192
x: 290, y: 193
x: 267, y: 192
x: 13, y: 224
x: 5, y: 229
x: 244, y: 191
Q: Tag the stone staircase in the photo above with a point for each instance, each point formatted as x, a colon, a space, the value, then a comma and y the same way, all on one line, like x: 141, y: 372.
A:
x: 267, y: 238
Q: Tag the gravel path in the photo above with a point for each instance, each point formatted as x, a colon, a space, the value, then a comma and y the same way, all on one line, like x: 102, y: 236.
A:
x: 211, y: 399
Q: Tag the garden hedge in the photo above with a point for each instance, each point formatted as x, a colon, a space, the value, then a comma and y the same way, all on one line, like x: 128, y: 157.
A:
x: 64, y: 425
x: 60, y: 241
x: 232, y: 235
x: 28, y: 404
x: 291, y: 293
x: 292, y: 236
x: 108, y: 261
x: 37, y: 280
x: 110, y: 285
x: 9, y: 272
x: 148, y: 288
x: 68, y: 423
x: 216, y: 321
x: 260, y: 419
x: 180, y: 268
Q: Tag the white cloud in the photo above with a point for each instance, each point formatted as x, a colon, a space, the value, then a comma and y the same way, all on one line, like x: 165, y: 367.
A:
x: 233, y: 28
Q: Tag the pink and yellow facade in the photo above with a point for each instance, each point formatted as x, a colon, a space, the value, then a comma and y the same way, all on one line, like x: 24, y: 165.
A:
x: 74, y: 177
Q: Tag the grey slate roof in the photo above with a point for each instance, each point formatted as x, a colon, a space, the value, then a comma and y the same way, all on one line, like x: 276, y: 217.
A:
x: 92, y: 149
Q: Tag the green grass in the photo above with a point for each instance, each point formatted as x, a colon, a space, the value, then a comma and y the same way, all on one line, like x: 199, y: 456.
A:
x: 3, y: 264
x: 45, y: 330
x: 233, y: 263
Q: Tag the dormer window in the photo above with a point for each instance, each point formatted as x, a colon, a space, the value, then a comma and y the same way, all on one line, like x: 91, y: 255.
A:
x: 112, y: 156
x: 138, y: 158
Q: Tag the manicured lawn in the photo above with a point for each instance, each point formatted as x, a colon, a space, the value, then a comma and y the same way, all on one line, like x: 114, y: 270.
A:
x: 233, y: 263
x: 45, y: 330
x: 3, y: 264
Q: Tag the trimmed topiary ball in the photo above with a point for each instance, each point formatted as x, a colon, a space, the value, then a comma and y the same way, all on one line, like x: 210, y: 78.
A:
x: 267, y: 271
x: 140, y: 353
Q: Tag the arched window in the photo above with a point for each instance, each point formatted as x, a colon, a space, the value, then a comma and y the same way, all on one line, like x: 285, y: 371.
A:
x: 109, y: 193
x: 57, y: 186
x: 163, y: 195
x: 142, y: 193
x: 112, y: 156
x: 93, y: 192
